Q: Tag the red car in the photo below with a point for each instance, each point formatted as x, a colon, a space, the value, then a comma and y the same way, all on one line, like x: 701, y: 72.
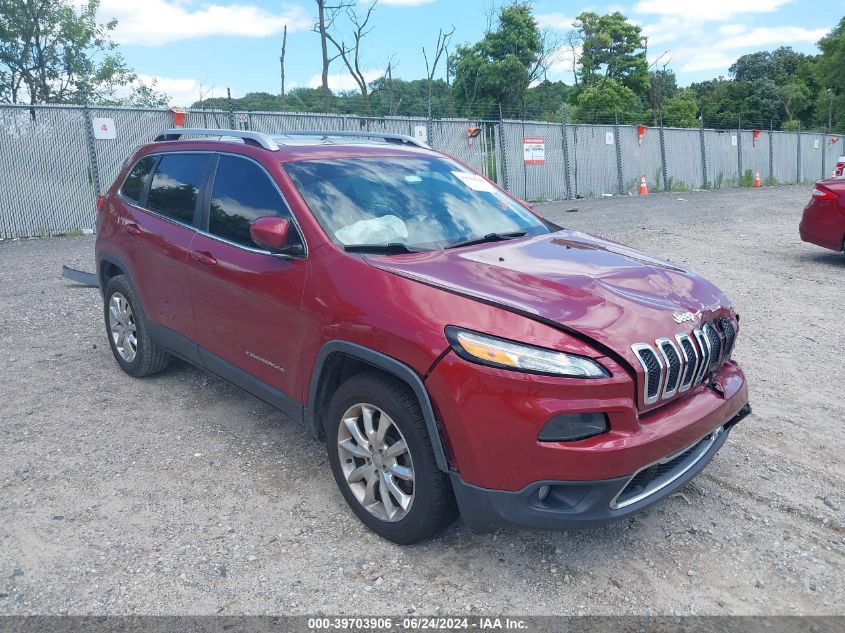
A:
x: 454, y: 350
x: 823, y: 223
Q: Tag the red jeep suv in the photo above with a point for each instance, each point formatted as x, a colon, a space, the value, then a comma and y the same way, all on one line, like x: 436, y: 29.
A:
x: 456, y: 352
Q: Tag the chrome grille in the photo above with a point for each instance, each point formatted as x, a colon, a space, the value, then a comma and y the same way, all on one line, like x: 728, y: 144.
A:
x: 674, y: 366
x: 691, y: 360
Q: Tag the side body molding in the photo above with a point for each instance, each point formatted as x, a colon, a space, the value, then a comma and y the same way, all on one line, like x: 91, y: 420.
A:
x: 388, y: 365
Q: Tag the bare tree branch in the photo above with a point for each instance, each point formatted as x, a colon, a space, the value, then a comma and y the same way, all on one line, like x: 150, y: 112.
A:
x: 440, y: 48
x: 351, y: 55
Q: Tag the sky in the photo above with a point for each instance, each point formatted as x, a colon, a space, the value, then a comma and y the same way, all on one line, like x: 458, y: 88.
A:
x: 188, y: 45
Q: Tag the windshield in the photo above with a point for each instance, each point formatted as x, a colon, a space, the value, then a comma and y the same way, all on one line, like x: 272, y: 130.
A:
x: 421, y: 203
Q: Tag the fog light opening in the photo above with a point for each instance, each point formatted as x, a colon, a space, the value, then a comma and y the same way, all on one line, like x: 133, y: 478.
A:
x: 543, y: 492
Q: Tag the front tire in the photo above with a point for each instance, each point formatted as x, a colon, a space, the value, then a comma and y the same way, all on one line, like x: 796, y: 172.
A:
x: 127, y: 330
x: 383, y: 461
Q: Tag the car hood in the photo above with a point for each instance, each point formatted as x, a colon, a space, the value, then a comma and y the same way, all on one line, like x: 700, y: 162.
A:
x: 612, y: 294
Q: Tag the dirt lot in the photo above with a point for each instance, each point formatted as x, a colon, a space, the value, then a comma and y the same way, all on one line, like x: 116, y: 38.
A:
x: 183, y: 494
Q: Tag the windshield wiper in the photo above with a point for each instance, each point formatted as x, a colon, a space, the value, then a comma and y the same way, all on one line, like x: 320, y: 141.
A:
x: 391, y: 248
x: 490, y: 237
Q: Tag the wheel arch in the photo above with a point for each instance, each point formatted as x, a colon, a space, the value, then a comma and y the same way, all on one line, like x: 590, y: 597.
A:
x: 339, y: 360
x: 109, y: 266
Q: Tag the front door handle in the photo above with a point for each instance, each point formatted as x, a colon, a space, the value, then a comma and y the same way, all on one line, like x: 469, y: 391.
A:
x: 132, y: 229
x: 203, y: 257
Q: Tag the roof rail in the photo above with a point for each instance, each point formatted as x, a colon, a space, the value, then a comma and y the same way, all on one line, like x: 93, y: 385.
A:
x: 400, y: 139
x: 254, y: 138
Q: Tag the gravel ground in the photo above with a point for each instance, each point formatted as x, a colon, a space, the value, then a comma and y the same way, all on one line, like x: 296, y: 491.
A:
x: 181, y: 494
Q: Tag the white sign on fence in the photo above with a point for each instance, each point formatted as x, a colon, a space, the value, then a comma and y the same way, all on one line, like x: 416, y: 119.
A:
x: 816, y: 144
x: 534, y: 151
x: 733, y: 140
x: 608, y: 138
x: 104, y: 128
x: 421, y: 133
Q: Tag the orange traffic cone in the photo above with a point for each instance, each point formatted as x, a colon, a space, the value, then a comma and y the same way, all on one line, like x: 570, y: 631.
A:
x: 643, y: 187
x: 757, y: 183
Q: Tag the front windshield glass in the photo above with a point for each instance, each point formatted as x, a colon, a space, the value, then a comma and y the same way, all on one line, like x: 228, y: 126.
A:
x: 420, y: 202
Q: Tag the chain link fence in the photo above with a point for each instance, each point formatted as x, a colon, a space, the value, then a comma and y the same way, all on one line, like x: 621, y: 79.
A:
x: 52, y: 167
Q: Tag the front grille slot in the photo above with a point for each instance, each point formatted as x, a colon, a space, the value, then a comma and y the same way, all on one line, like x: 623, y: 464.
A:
x: 704, y: 350
x: 691, y: 360
x: 715, y: 346
x: 673, y: 366
x: 653, y: 369
x: 728, y: 330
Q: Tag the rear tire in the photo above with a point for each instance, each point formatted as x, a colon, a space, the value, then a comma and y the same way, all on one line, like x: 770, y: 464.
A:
x: 383, y: 460
x: 128, y: 332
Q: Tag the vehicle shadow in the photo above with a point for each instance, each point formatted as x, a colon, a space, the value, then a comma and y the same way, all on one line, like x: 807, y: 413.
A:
x: 830, y: 258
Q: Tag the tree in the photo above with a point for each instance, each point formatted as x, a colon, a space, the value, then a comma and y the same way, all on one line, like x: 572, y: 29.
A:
x: 52, y: 52
x: 326, y: 15
x: 612, y: 48
x: 351, y: 54
x: 431, y: 68
x: 831, y: 63
x: 498, y: 70
x: 681, y: 110
x: 662, y: 85
x: 601, y: 100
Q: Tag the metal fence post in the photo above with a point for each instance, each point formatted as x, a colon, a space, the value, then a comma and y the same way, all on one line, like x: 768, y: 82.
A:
x: 663, y: 155
x: 824, y: 155
x: 619, y: 176
x: 771, y: 151
x: 567, y: 173
x: 231, y: 110
x: 800, y: 158
x: 92, y: 149
x: 502, y: 151
x: 739, y: 150
x: 703, y: 154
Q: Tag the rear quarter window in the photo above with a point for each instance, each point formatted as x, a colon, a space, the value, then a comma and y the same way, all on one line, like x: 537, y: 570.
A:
x: 136, y: 180
x: 176, y: 184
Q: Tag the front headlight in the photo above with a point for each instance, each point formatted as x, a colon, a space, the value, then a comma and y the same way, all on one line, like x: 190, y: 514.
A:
x: 497, y: 352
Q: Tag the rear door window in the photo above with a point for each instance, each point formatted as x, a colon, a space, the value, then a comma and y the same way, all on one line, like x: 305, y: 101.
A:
x: 136, y: 181
x: 242, y: 192
x: 176, y: 185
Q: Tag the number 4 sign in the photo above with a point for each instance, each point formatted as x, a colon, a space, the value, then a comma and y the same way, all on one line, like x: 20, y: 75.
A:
x: 104, y: 128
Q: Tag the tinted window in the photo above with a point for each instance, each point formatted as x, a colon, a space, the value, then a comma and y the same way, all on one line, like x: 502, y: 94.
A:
x: 133, y: 186
x: 242, y: 192
x: 176, y: 185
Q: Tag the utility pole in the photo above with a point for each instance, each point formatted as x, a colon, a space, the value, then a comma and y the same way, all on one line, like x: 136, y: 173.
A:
x: 282, y: 65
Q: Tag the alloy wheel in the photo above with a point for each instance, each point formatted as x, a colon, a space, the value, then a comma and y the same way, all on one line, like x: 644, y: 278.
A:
x: 123, y: 327
x: 376, y: 462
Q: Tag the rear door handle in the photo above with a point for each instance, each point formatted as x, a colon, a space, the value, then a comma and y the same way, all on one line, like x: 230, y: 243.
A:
x: 203, y: 257
x: 132, y: 229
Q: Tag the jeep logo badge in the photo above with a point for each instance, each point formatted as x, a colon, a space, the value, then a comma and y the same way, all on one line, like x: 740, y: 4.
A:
x: 683, y: 317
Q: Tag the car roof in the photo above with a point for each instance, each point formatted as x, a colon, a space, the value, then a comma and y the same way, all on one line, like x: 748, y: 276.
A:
x: 298, y: 145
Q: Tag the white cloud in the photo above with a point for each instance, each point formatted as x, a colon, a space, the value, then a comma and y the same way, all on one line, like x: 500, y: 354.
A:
x: 558, y: 21
x: 667, y: 29
x: 732, y: 29
x: 709, y: 10
x: 182, y: 92
x: 705, y: 58
x: 157, y: 22
x: 765, y: 36
x: 343, y: 81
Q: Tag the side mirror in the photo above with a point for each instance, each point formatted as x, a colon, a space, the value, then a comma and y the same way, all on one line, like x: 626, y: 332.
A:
x: 270, y: 232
